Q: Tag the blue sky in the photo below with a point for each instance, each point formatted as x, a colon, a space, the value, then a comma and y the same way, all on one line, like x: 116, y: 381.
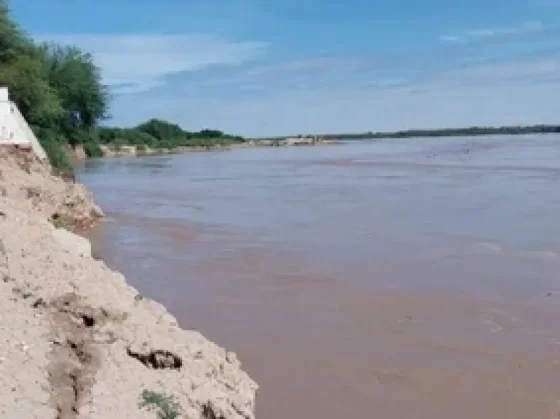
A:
x: 266, y: 67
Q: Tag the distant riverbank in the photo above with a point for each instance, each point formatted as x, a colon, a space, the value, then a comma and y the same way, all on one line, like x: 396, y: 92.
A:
x: 107, y: 151
x: 437, y: 132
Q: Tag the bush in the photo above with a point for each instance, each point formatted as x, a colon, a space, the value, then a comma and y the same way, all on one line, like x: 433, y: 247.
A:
x: 55, y: 148
x: 93, y: 149
x: 161, y: 130
x: 159, y: 134
x: 165, y: 144
x: 165, y: 406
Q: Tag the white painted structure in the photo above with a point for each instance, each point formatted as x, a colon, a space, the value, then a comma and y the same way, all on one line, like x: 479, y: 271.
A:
x: 14, y: 129
x: 299, y: 140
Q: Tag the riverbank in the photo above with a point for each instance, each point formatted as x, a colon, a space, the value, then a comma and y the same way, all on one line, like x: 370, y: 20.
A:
x: 78, y: 341
x: 136, y: 151
x: 78, y: 153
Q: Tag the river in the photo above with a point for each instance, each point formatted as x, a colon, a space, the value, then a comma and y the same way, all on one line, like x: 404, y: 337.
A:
x: 389, y: 279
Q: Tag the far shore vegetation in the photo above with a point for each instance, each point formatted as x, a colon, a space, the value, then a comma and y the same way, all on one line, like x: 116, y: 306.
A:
x: 156, y: 134
x: 60, y: 92
x: 459, y: 132
x: 439, y: 132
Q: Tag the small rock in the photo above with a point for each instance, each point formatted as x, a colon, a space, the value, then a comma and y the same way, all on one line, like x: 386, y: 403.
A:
x: 231, y: 357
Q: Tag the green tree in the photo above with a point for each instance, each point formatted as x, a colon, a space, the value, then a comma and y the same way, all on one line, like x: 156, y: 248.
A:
x: 22, y: 71
x: 210, y: 133
x: 12, y: 39
x: 78, y: 82
x: 162, y: 130
x: 30, y: 90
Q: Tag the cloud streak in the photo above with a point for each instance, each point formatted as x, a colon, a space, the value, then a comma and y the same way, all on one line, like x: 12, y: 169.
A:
x: 140, y: 62
x: 455, y: 39
x: 525, y: 28
x: 514, y: 91
x: 483, y: 76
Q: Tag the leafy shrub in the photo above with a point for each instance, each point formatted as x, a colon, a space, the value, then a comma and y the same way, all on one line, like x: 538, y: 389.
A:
x: 166, y: 407
x: 160, y: 129
x: 93, y: 149
x: 55, y: 148
x: 161, y: 134
x: 58, y: 222
x: 165, y: 144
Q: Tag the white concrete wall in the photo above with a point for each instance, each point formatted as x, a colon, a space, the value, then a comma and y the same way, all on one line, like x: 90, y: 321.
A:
x: 7, y: 129
x: 14, y: 129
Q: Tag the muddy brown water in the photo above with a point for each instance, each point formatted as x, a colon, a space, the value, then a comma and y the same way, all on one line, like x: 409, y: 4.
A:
x: 389, y: 279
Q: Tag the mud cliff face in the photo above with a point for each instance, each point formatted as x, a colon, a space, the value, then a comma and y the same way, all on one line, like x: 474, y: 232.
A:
x: 26, y: 184
x: 76, y: 340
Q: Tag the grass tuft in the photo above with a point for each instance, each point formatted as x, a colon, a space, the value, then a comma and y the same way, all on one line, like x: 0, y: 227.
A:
x: 165, y: 406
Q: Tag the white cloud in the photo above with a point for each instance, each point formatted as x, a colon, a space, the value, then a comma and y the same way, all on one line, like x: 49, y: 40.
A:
x: 525, y: 28
x: 501, y: 72
x: 327, y: 93
x: 140, y: 62
x: 300, y: 71
x: 522, y: 91
x: 452, y: 39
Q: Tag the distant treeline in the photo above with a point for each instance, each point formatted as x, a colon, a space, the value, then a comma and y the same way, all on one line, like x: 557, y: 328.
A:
x: 155, y: 134
x: 453, y: 132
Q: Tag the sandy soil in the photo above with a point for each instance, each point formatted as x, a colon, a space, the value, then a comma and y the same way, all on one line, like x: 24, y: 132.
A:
x: 77, y: 340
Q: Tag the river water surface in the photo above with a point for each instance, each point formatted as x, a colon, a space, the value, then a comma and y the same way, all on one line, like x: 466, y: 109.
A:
x: 411, y: 278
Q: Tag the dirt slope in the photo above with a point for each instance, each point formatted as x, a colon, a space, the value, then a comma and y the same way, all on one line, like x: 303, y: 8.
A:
x: 75, y: 340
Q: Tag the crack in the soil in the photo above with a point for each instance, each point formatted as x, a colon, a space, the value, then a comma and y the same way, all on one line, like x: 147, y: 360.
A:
x: 73, y: 360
